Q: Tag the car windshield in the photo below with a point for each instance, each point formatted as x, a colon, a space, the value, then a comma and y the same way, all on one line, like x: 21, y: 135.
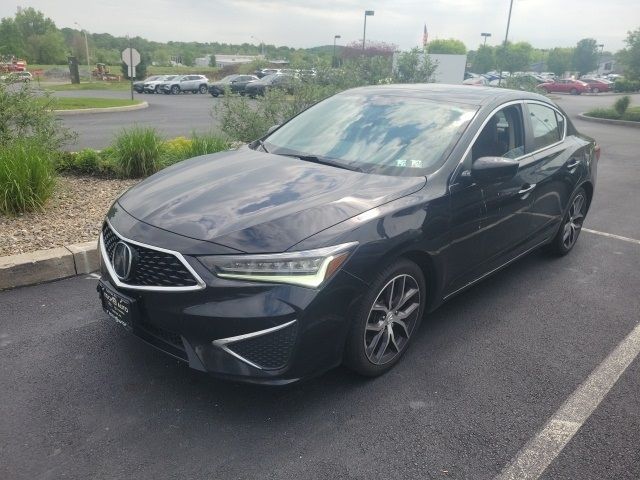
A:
x: 228, y: 78
x: 171, y: 77
x: 374, y: 133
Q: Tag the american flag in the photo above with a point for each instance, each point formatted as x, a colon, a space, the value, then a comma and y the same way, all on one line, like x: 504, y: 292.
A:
x: 425, y: 36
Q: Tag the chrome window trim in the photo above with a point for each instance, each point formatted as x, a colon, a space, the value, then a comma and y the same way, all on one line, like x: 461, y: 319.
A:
x: 223, y: 342
x: 114, y: 278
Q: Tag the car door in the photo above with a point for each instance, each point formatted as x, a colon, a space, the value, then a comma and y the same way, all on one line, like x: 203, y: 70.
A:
x: 489, y: 223
x: 559, y: 165
x: 187, y: 83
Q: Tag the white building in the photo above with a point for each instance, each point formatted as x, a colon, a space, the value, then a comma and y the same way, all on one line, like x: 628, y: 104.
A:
x: 222, y: 60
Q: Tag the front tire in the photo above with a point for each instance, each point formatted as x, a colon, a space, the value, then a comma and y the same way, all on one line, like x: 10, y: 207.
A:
x: 158, y: 90
x: 203, y: 89
x: 574, y: 91
x: 175, y: 90
x: 571, y: 226
x: 595, y: 90
x: 386, y: 319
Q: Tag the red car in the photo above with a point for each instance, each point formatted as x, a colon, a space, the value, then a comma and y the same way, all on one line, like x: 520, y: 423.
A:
x: 598, y: 85
x: 566, y: 85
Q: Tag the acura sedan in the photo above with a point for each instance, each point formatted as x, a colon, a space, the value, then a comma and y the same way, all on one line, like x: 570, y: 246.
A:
x: 327, y: 241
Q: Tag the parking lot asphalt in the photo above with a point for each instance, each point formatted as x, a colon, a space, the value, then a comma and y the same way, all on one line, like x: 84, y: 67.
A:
x: 171, y: 115
x: 82, y: 399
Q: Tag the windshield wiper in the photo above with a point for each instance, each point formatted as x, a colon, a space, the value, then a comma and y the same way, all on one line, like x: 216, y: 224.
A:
x: 260, y: 143
x: 322, y: 161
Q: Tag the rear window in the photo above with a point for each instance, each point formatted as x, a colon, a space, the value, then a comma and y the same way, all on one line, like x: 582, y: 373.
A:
x: 547, y: 129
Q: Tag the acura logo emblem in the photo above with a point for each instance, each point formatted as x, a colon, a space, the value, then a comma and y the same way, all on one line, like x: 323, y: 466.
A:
x: 122, y: 260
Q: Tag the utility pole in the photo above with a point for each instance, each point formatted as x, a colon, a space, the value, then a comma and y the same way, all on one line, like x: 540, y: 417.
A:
x: 506, y: 37
x: 86, y: 46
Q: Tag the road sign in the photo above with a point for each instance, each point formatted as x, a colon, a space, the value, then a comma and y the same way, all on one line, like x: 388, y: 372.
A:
x: 131, y: 72
x: 130, y: 56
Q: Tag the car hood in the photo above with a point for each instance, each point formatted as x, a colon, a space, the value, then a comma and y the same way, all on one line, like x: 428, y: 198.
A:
x: 258, y: 202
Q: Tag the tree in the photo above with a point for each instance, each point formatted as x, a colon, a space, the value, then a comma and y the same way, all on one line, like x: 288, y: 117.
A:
x: 212, y: 61
x: 11, y: 42
x: 372, y: 49
x: 585, y: 56
x: 559, y: 60
x: 514, y: 57
x: 484, y: 59
x: 449, y: 45
x: 414, y: 66
x: 630, y: 56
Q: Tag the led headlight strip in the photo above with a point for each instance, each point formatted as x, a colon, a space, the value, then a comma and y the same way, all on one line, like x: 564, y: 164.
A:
x: 309, y: 268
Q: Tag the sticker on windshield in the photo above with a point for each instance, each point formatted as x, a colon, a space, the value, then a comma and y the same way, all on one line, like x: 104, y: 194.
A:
x: 416, y: 163
x: 401, y: 162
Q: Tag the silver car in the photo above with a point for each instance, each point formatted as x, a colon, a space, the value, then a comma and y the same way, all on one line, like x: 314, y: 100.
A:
x: 186, y: 83
x: 153, y: 84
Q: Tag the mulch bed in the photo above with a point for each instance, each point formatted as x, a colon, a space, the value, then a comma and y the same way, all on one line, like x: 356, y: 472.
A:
x: 73, y: 214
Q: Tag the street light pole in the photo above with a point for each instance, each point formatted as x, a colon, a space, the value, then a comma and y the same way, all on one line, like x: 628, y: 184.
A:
x: 485, y: 35
x: 506, y: 37
x: 367, y: 13
x: 86, y: 46
x: 600, y: 57
x: 335, y: 37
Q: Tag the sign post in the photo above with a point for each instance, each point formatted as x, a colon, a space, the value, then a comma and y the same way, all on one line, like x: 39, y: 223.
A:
x: 131, y: 58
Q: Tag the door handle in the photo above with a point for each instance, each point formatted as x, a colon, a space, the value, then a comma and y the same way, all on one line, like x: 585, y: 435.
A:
x: 573, y: 164
x: 526, y: 188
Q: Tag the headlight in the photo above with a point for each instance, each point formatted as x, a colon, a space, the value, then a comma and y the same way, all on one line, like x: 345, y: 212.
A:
x: 308, y: 268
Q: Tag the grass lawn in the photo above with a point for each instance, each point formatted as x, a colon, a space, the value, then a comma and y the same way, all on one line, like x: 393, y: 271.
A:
x: 96, y: 85
x: 632, y: 114
x: 70, y: 103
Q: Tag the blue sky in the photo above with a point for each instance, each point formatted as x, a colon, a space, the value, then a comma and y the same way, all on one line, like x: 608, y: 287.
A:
x: 543, y: 23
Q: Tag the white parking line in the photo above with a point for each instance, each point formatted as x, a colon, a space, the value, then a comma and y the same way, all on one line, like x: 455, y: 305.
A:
x: 611, y: 235
x: 533, y: 459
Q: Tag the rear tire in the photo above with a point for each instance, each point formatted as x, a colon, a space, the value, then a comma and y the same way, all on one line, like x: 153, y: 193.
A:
x: 386, y: 319
x: 574, y: 91
x: 569, y: 230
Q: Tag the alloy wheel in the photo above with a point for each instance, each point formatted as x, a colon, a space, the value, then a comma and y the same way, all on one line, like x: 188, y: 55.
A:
x: 392, y: 319
x: 574, y: 221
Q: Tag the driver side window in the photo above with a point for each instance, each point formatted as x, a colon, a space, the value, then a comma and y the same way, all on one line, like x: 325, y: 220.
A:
x: 502, y: 136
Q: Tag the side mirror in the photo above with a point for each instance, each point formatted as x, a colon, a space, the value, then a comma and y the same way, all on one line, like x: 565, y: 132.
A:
x: 271, y: 129
x: 488, y: 170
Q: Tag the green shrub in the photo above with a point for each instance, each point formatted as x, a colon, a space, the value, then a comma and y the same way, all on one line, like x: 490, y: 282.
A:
x: 632, y: 115
x: 626, y: 86
x: 27, y: 115
x: 138, y: 152
x: 86, y: 162
x: 202, y: 144
x: 246, y: 120
x: 622, y: 104
x: 26, y: 176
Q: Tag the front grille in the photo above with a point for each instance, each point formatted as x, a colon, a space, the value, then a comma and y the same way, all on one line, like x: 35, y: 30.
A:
x: 270, y: 351
x: 152, y: 268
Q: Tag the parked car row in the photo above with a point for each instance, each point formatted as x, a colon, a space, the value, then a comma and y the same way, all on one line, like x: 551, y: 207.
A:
x: 173, y: 84
x: 241, y: 84
x: 15, y: 77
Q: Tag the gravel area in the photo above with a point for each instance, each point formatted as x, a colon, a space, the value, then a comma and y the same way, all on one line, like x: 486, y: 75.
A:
x: 73, y: 214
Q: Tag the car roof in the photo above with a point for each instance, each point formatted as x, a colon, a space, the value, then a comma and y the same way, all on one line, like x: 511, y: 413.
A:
x: 470, y: 95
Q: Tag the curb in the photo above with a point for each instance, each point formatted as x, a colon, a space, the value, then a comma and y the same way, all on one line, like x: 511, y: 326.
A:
x: 80, y: 111
x: 609, y: 121
x: 47, y: 265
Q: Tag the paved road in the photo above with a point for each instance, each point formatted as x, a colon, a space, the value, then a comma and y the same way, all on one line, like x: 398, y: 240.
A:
x: 171, y: 115
x: 82, y: 399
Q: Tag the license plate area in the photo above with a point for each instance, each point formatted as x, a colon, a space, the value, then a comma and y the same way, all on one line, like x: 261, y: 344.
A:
x: 122, y: 309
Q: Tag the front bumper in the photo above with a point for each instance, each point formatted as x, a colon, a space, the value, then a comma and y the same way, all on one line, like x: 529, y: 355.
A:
x: 254, y: 332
